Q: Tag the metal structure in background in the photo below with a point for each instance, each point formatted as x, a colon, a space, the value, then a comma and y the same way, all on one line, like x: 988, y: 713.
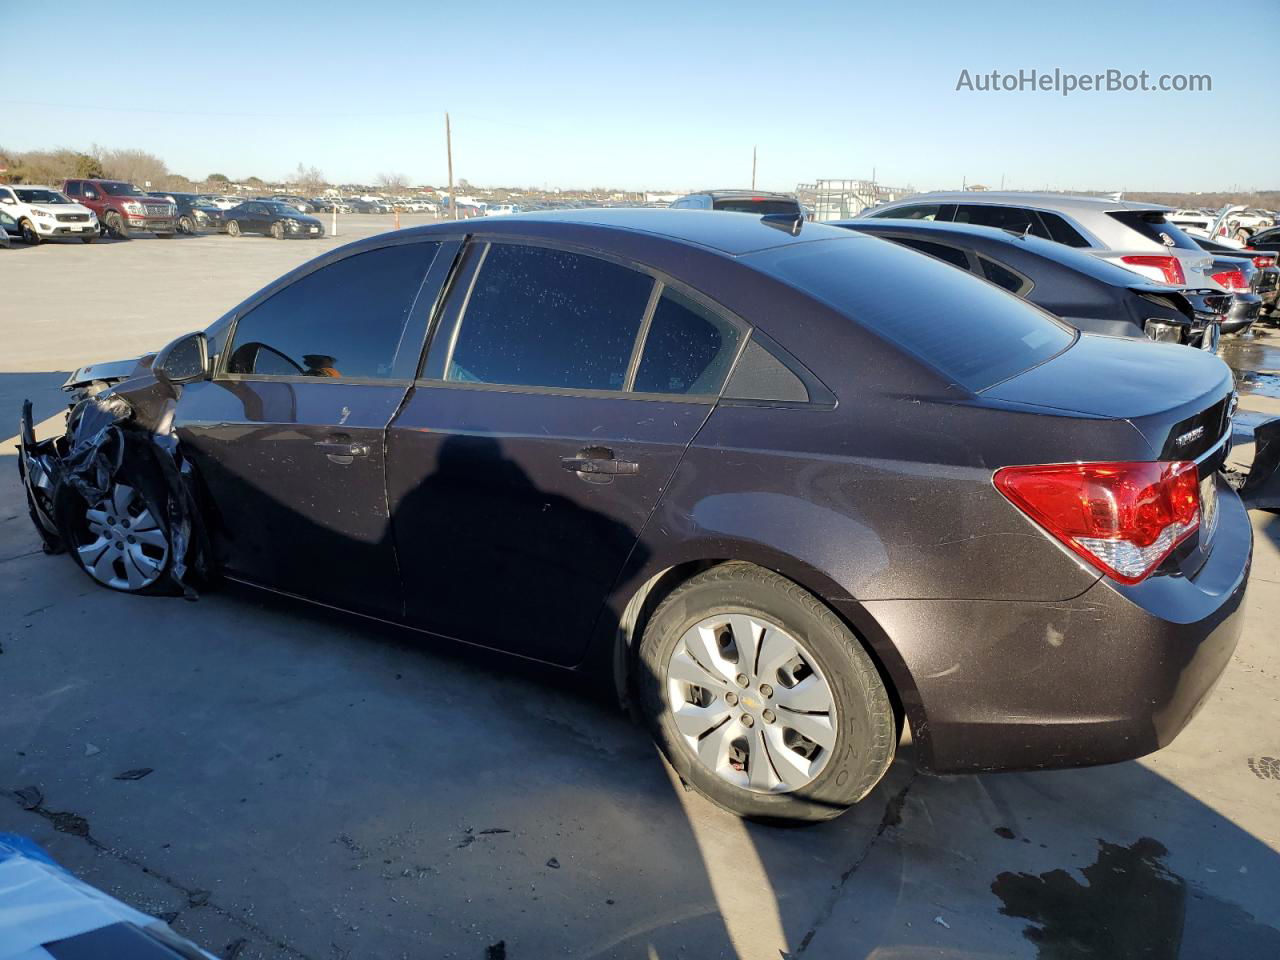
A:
x: 841, y: 199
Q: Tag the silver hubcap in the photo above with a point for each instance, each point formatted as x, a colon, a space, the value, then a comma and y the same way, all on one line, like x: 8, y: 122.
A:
x: 128, y: 549
x: 751, y: 703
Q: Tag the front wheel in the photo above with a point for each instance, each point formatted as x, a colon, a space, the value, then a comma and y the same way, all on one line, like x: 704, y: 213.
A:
x: 116, y: 226
x: 762, y: 699
x: 88, y: 239
x: 233, y: 228
x: 117, y: 541
x: 277, y: 230
x: 186, y: 225
x: 30, y: 234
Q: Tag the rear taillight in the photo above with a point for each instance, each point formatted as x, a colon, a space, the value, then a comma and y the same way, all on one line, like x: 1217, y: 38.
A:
x: 1262, y: 261
x: 1163, y: 268
x: 1232, y: 280
x: 1123, y: 518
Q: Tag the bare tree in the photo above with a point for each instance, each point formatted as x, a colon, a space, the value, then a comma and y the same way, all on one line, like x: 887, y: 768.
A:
x: 136, y: 166
x: 393, y: 182
x: 308, y: 180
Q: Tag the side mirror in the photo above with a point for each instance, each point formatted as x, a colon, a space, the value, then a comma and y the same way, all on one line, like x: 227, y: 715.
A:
x: 184, y: 360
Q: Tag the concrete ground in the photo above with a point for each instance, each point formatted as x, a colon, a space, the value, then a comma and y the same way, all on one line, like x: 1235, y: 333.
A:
x: 323, y: 789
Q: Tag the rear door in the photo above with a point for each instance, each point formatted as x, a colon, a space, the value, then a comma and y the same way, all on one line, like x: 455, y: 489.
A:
x: 560, y: 392
x: 288, y: 435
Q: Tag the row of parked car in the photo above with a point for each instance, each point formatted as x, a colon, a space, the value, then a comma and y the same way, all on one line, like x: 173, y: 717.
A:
x: 85, y: 209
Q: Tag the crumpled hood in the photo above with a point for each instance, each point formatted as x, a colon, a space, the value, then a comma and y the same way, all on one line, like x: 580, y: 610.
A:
x: 109, y: 371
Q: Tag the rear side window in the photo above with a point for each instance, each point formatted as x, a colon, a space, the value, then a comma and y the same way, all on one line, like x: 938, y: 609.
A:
x: 761, y: 207
x: 951, y: 255
x: 1152, y: 225
x: 341, y: 321
x: 969, y: 331
x: 919, y: 211
x: 1002, y: 276
x: 688, y: 348
x: 1062, y: 232
x: 548, y: 318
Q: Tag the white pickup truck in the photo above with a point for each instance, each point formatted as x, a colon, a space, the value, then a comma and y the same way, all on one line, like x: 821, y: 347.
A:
x: 42, y: 213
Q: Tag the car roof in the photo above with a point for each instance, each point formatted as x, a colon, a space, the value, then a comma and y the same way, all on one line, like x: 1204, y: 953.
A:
x: 735, y: 234
x: 29, y: 186
x: 1058, y: 201
x: 741, y: 193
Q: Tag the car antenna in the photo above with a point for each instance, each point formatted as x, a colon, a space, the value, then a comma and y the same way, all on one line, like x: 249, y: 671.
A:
x: 789, y: 222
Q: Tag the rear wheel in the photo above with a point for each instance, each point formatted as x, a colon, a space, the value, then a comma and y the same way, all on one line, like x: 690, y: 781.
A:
x: 277, y: 230
x: 233, y: 228
x: 762, y: 698
x: 29, y: 232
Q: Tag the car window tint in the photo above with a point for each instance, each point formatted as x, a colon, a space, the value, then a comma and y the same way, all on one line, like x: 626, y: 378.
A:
x: 983, y: 338
x: 919, y: 211
x: 1152, y: 225
x: 761, y: 207
x: 547, y: 318
x: 1001, y: 275
x: 688, y: 348
x: 1016, y: 219
x: 343, y: 320
x: 1061, y: 231
x: 760, y: 375
x: 951, y: 255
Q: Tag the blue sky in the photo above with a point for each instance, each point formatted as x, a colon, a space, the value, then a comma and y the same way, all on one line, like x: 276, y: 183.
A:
x: 652, y: 94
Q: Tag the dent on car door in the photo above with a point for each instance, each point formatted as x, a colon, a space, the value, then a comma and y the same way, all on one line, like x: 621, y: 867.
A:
x: 560, y: 392
x: 288, y: 436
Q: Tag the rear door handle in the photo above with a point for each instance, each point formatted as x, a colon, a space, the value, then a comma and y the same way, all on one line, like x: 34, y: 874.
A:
x: 590, y: 467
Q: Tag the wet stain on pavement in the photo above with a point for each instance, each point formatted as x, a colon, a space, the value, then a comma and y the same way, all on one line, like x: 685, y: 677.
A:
x: 1129, y: 905
x: 1255, y: 359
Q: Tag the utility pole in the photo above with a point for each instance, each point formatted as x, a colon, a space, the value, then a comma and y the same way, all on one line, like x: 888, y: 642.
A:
x: 753, y: 169
x: 1002, y: 182
x: 448, y: 146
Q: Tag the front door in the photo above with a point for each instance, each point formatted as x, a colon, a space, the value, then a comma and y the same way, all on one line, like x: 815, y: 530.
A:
x: 288, y: 436
x: 553, y: 413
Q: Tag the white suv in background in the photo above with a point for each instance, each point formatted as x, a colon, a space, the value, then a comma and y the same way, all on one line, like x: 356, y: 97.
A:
x: 1136, y: 236
x: 42, y: 213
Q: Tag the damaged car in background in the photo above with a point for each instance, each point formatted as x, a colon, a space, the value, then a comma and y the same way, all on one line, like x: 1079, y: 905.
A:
x: 714, y: 463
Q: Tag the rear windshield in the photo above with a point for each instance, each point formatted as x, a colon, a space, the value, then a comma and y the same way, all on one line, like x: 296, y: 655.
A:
x: 761, y: 207
x: 1152, y: 225
x: 971, y: 331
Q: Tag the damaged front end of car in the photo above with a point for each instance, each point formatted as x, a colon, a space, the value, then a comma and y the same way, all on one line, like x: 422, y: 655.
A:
x: 113, y: 488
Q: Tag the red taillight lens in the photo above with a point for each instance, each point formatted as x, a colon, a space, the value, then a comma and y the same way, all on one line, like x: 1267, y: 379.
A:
x: 1170, y: 268
x: 1262, y: 261
x: 1123, y: 518
x: 1232, y: 280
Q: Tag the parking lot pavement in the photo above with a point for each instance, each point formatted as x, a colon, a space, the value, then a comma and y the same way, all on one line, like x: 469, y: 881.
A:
x: 321, y: 788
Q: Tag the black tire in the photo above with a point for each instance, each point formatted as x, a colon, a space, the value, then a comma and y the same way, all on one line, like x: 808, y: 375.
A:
x: 30, y: 235
x: 116, y: 226
x: 88, y: 239
x: 165, y: 236
x: 277, y: 230
x: 139, y: 471
x: 186, y: 225
x: 866, y: 729
x: 233, y: 228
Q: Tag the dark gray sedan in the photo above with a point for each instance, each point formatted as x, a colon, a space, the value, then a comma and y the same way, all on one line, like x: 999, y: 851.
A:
x: 786, y: 488
x: 270, y: 217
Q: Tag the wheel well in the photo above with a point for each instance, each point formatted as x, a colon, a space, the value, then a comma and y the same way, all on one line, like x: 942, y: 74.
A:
x: 651, y: 593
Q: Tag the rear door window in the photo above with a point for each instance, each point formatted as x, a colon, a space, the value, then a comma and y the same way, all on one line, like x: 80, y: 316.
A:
x: 540, y: 317
x: 981, y: 338
x: 918, y: 211
x: 342, y: 321
x: 688, y: 348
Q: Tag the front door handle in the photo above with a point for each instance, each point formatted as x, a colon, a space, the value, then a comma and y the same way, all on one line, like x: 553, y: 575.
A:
x: 342, y: 451
x: 599, y: 465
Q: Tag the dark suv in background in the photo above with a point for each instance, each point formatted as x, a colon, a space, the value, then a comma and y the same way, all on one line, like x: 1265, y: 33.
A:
x: 788, y: 489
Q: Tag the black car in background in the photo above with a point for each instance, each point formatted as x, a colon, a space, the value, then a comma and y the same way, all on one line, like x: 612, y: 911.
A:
x: 759, y: 202
x: 785, y: 490
x: 280, y: 220
x: 1087, y: 292
x: 195, y: 212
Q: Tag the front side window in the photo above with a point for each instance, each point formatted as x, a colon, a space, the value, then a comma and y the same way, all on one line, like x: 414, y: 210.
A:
x: 342, y: 321
x: 548, y: 318
x: 73, y: 189
x: 687, y: 350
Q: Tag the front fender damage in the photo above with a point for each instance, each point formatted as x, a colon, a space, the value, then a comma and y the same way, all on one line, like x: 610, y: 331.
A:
x: 107, y: 440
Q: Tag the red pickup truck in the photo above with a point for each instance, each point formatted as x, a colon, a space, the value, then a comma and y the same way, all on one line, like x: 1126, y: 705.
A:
x: 121, y: 207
